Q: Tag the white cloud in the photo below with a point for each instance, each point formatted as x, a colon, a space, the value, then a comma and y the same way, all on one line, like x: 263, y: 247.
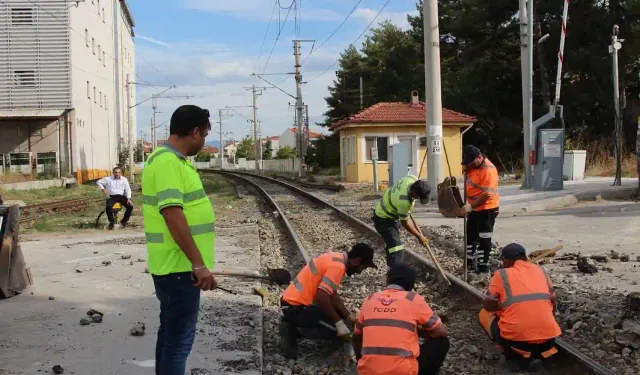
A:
x: 397, y: 18
x: 152, y: 40
x: 217, y: 77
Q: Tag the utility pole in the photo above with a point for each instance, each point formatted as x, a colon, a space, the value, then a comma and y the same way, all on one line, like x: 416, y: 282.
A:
x: 131, y: 135
x: 525, y: 49
x: 361, y: 95
x: 221, y: 144
x: 306, y: 130
x: 433, y: 90
x: 256, y: 147
x: 154, y: 106
x: 616, y: 44
x: 299, y: 106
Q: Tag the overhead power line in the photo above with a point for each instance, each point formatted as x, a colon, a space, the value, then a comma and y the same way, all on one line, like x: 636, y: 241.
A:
x: 279, y: 33
x: 334, y: 32
x: 275, y: 4
x: 354, y: 42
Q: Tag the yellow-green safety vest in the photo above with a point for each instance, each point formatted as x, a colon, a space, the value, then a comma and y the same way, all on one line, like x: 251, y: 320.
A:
x: 169, y: 179
x: 396, y: 203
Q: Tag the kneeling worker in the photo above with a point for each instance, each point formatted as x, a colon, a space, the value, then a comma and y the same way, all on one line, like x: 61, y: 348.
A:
x: 396, y: 204
x: 386, y: 336
x: 311, y: 305
x: 519, y: 309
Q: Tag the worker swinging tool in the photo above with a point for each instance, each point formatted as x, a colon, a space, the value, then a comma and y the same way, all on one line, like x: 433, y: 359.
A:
x: 395, y: 207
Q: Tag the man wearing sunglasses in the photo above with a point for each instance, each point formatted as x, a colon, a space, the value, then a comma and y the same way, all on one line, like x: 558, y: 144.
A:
x: 179, y: 231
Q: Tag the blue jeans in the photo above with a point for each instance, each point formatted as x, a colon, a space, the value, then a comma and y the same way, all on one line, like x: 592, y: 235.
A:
x: 179, y: 306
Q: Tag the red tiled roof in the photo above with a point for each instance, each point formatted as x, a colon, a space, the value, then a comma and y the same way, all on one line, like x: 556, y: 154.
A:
x: 312, y: 135
x: 399, y: 112
x: 274, y: 138
x: 212, y: 150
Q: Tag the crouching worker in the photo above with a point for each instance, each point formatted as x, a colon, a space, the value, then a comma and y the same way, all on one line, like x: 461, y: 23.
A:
x: 519, y: 309
x: 386, y: 338
x: 311, y: 306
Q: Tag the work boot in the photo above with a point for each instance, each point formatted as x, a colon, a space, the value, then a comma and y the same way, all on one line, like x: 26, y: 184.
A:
x: 110, y: 226
x: 124, y: 224
x: 288, y: 340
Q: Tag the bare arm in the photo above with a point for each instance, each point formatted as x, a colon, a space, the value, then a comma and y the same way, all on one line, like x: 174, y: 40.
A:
x: 411, y: 229
x: 100, y: 184
x: 491, y: 303
x: 325, y: 301
x: 127, y: 189
x: 441, y: 331
x: 339, y: 306
x: 480, y: 201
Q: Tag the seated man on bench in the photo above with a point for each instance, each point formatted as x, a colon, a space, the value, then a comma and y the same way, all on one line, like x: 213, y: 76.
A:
x: 117, y: 190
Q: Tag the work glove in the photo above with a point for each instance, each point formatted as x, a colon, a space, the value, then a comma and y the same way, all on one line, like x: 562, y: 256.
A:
x: 342, y: 331
x: 425, y: 241
x: 467, y: 208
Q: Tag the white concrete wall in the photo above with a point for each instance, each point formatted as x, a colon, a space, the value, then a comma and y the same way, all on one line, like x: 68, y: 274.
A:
x: 95, y: 132
x: 281, y: 165
x: 288, y: 138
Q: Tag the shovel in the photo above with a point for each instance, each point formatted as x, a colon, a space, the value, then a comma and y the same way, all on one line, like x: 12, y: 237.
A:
x: 274, y: 275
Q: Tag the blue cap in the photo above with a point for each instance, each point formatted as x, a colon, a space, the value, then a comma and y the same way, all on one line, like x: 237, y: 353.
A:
x: 513, y: 251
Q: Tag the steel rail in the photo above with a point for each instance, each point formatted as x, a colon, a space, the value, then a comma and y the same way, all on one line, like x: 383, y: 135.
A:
x: 458, y: 284
x: 32, y: 212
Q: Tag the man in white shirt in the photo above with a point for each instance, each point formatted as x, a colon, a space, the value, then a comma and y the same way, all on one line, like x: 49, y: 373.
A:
x: 117, y: 190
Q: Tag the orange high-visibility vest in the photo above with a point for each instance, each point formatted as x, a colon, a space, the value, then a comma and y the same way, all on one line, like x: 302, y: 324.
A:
x: 388, y: 323
x: 324, y: 272
x: 483, y: 180
x: 525, y: 293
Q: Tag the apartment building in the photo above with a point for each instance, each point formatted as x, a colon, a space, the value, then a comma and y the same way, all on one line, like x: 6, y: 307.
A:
x: 63, y: 86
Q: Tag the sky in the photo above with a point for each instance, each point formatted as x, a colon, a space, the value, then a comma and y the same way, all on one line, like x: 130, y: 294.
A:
x: 210, y: 48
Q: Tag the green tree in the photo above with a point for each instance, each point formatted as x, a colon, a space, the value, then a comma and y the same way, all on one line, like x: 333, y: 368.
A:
x: 203, y: 156
x: 267, y: 150
x: 138, y: 152
x: 246, y: 149
x: 286, y: 152
x: 324, y: 153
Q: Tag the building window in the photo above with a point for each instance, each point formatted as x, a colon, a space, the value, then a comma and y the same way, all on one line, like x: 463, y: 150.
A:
x: 381, y: 143
x: 93, y: 45
x: 24, y: 78
x: 104, y: 59
x: 98, y: 7
x: 99, y: 53
x: 88, y: 90
x: 19, y: 158
x: 21, y: 16
x: 103, y: 19
x: 86, y: 37
x: 95, y: 97
x: 100, y: 94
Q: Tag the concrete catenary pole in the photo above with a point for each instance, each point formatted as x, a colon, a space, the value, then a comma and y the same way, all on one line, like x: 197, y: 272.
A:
x: 130, y: 131
x: 361, y: 94
x: 220, y: 151
x: 433, y: 93
x: 256, y: 148
x: 524, y: 67
x: 613, y: 50
x: 299, y: 105
x: 154, y: 139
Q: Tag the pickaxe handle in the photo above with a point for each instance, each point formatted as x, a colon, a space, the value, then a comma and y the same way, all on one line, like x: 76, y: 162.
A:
x: 431, y: 254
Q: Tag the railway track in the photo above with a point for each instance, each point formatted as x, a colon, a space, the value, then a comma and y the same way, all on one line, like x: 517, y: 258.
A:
x: 31, y: 213
x: 316, y: 228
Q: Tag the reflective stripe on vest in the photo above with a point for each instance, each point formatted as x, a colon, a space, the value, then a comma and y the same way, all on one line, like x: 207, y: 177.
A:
x: 194, y: 229
x: 510, y: 299
x: 389, y: 323
x: 381, y: 350
x: 397, y: 194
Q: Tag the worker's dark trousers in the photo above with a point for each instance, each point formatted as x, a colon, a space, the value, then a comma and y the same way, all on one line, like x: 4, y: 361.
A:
x: 179, y: 307
x: 432, y: 355
x: 479, y: 232
x: 389, y: 229
x: 113, y: 199
x: 311, y: 321
x: 511, y: 347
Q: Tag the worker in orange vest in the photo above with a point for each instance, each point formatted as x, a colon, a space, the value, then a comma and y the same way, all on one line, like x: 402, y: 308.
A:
x: 311, y: 306
x: 386, y: 337
x: 481, y: 208
x: 519, y: 309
